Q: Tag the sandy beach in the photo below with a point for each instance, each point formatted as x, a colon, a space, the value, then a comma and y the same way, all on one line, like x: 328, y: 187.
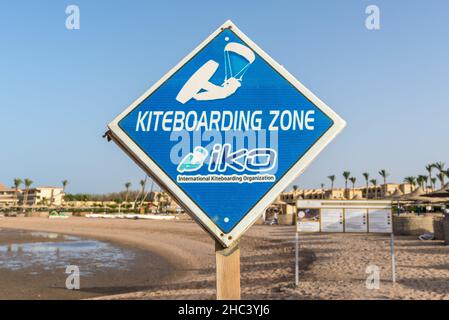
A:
x: 332, y: 266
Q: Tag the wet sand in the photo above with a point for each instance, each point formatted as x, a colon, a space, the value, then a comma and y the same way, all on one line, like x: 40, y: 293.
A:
x: 332, y: 266
x: 33, y: 266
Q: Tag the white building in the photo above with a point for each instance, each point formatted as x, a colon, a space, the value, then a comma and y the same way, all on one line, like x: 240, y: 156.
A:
x: 8, y: 196
x: 45, y: 196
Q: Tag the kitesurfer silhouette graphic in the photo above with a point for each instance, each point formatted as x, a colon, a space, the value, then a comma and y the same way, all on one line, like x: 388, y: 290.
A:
x: 200, y: 88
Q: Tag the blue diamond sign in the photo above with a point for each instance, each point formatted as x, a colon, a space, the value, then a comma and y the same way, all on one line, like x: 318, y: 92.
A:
x: 225, y: 132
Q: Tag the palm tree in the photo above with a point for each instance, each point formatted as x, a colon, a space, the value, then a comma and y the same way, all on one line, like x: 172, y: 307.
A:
x: 64, y: 185
x: 159, y: 202
x: 295, y: 187
x: 433, y: 181
x: 411, y: 181
x: 146, y: 194
x: 322, y: 189
x: 143, y: 184
x: 374, y: 183
x: 353, y: 180
x: 440, y: 167
x: 429, y: 169
x: 425, y: 181
x: 366, y: 176
x: 332, y: 179
x: 346, y: 175
x: 28, y: 184
x: 17, y: 183
x: 127, y: 186
x: 441, y: 177
x: 384, y: 174
x: 421, y: 180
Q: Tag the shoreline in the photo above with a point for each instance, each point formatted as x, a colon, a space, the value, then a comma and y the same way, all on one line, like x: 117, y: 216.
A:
x: 34, y: 266
x: 128, y: 235
x: 332, y: 266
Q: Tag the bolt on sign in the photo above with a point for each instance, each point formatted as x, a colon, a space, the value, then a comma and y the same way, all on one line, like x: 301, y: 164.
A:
x: 225, y: 131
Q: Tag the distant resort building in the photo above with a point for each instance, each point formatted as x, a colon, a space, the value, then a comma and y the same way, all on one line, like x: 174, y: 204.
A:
x: 45, y: 196
x: 379, y: 192
x: 286, y: 202
x: 156, y: 201
x: 8, y: 196
x: 161, y: 201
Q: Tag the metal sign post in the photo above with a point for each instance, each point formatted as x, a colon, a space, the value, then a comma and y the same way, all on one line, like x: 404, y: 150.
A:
x: 393, y: 259
x: 296, y: 258
x: 224, y: 133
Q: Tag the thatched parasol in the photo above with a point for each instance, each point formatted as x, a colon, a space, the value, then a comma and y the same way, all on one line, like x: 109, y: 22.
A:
x: 441, y: 200
x: 419, y: 195
x: 397, y: 195
x: 415, y: 195
x: 442, y: 193
x: 357, y: 197
x: 278, y: 202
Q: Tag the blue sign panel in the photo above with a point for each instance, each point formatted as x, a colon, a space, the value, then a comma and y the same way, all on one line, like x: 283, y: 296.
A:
x: 224, y: 128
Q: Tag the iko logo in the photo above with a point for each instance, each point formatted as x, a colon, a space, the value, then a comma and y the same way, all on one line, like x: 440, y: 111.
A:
x: 194, y: 160
x: 199, y: 86
x: 222, y: 159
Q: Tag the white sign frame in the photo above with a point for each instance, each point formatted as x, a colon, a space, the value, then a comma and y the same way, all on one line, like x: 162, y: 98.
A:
x: 380, y: 205
x: 368, y: 205
x: 139, y: 156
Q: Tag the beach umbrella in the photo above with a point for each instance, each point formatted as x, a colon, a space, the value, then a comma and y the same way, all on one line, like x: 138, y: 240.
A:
x: 279, y: 202
x: 396, y: 195
x: 442, y: 193
x: 415, y: 195
x: 440, y: 200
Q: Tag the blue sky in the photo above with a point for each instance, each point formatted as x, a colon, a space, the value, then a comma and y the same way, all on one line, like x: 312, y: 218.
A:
x: 59, y: 88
